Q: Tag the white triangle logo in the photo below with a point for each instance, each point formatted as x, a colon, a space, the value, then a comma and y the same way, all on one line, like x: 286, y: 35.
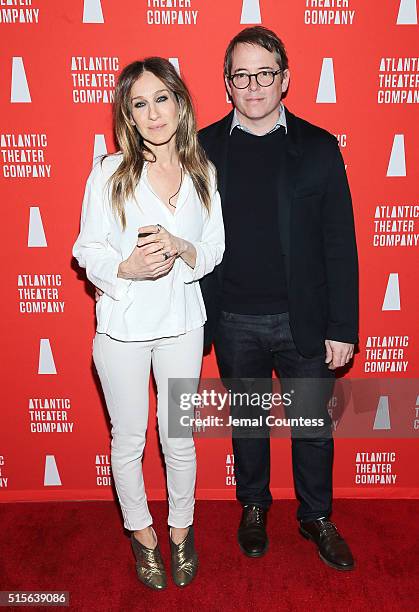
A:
x: 175, y: 62
x: 46, y: 363
x: 250, y: 12
x: 397, y: 162
x: 408, y: 14
x: 326, y: 92
x: 36, y: 234
x: 382, y: 415
x: 51, y: 475
x: 99, y: 148
x: 392, y: 296
x: 19, y: 90
x: 92, y: 12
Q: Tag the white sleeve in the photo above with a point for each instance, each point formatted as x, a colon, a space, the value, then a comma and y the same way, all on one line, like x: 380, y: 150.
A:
x: 210, y: 249
x: 92, y: 249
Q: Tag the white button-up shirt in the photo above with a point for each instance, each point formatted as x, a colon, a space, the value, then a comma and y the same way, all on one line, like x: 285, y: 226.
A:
x: 146, y: 309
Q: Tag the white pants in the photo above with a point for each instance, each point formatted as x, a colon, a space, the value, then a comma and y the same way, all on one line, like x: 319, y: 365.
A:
x: 124, y: 371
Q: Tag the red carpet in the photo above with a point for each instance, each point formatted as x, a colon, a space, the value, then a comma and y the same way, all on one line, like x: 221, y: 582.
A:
x: 81, y: 547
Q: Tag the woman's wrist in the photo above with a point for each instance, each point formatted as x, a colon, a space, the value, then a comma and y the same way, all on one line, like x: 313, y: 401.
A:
x: 182, y: 246
x: 187, y: 252
x: 122, y: 271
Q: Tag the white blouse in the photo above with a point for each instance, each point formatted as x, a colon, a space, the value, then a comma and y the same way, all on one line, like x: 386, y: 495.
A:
x: 146, y: 309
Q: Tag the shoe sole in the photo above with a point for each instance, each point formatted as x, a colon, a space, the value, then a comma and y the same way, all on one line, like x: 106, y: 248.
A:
x: 341, y: 568
x: 253, y: 555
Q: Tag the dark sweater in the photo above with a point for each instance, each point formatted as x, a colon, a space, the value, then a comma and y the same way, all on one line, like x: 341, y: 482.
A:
x: 254, y: 274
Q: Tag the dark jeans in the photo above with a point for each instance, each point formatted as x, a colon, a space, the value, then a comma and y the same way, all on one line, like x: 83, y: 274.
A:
x: 251, y: 346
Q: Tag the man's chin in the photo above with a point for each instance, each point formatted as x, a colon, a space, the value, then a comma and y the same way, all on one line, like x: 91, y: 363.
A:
x: 256, y: 114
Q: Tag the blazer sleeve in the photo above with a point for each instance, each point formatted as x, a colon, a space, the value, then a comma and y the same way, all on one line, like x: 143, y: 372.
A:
x: 340, y: 253
x: 92, y: 249
x: 210, y: 248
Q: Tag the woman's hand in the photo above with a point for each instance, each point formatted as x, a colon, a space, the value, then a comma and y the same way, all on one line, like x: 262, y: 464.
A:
x: 152, y: 257
x: 169, y: 244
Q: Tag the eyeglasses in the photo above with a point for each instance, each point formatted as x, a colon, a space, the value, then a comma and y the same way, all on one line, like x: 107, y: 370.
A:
x: 264, y: 78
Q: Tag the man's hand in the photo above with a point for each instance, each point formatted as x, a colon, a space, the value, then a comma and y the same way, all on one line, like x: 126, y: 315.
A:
x: 338, y: 354
x: 98, y: 294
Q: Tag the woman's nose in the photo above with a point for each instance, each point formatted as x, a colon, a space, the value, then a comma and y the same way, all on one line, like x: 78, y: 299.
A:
x: 153, y: 112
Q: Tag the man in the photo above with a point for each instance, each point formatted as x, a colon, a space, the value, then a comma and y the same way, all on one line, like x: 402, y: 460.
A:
x: 285, y: 297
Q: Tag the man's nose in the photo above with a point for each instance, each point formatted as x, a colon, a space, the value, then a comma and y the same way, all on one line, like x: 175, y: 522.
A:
x: 253, y: 85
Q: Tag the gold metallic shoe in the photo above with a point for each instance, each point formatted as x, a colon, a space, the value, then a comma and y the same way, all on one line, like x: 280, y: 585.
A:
x: 184, y: 559
x: 149, y: 566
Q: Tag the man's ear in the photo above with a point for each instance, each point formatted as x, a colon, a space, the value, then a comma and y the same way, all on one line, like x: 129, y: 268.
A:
x: 228, y: 86
x: 285, y: 80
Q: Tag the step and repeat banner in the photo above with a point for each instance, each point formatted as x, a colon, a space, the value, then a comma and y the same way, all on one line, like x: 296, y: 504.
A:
x: 354, y: 71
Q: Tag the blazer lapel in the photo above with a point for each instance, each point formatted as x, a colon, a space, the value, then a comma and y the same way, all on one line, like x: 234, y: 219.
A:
x: 219, y: 154
x: 288, y: 167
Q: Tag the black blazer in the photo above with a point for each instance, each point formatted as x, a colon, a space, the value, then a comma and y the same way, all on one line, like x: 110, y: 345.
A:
x: 317, y: 235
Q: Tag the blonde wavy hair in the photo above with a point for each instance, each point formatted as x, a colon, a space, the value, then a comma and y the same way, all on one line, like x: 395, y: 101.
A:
x: 192, y: 157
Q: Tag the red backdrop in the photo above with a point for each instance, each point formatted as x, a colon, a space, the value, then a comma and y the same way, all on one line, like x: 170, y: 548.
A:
x: 353, y: 71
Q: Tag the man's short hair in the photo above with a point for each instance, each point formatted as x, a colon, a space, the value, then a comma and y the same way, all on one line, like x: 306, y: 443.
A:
x: 257, y: 35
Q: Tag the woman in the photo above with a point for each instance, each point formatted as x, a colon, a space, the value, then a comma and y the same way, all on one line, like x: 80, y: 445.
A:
x: 151, y: 227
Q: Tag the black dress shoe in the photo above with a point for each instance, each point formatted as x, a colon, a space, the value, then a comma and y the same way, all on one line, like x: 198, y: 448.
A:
x: 333, y: 549
x: 252, y: 536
